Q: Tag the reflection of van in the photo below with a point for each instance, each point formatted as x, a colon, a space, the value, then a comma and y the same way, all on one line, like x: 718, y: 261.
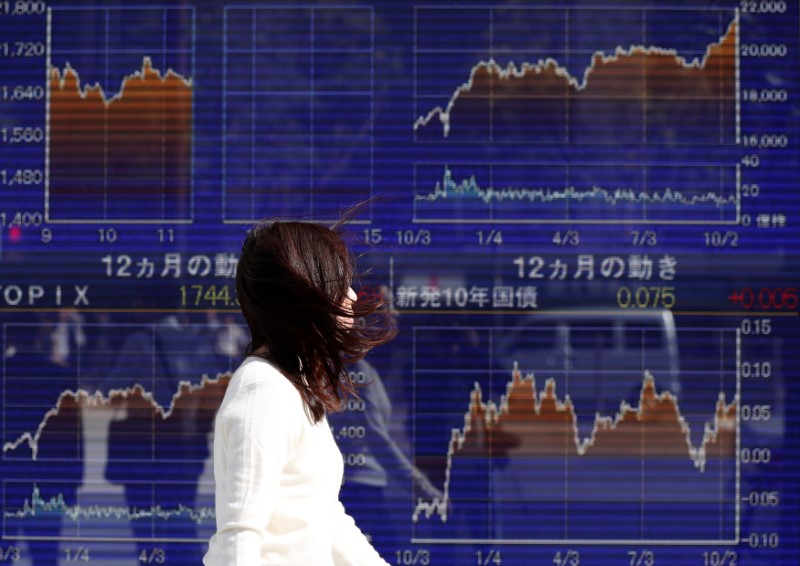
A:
x: 598, y: 357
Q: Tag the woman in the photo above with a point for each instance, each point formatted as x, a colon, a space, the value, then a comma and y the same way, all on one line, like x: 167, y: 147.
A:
x: 277, y: 467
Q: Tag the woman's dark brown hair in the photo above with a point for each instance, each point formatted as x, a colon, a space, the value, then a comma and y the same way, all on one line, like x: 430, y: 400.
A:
x: 291, y: 282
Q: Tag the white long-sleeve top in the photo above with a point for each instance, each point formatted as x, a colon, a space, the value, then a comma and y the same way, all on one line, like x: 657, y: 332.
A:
x: 277, y: 480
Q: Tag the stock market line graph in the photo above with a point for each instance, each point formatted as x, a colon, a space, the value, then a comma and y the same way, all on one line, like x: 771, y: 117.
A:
x: 56, y: 506
x: 163, y: 145
x: 583, y: 219
x: 644, y: 94
x: 118, y: 151
x: 153, y: 408
x: 652, y: 92
x: 704, y: 194
x: 565, y: 448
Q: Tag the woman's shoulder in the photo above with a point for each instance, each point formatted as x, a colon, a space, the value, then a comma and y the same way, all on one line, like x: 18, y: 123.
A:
x: 260, y: 400
x: 257, y: 377
x: 256, y: 370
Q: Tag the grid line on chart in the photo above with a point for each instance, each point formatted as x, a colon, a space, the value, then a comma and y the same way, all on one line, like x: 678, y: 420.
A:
x: 288, y: 165
x: 426, y: 364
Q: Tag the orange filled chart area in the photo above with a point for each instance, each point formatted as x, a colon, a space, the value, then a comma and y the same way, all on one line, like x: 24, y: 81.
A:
x: 525, y: 89
x: 576, y: 441
x: 120, y: 121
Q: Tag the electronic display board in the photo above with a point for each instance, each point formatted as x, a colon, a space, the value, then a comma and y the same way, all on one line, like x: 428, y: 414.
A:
x: 585, y: 218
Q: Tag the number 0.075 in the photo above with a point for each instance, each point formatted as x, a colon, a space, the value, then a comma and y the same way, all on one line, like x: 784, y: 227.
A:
x: 646, y: 297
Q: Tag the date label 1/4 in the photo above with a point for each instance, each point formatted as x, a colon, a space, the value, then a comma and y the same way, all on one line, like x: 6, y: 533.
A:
x: 490, y: 237
x: 76, y: 554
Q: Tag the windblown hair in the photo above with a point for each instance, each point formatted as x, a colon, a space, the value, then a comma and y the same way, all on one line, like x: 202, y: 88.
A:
x: 291, y: 282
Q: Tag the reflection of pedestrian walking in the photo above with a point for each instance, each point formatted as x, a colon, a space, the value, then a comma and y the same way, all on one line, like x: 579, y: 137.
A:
x: 380, y: 462
x: 158, y: 458
x: 38, y: 369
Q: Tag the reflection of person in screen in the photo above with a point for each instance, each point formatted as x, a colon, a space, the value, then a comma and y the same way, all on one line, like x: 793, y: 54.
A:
x: 277, y: 467
x: 159, y: 460
x: 40, y: 365
x: 364, y: 493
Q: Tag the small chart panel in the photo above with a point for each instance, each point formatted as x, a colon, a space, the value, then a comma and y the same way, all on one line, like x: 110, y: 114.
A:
x: 576, y: 440
x: 298, y: 119
x: 512, y: 80
x: 120, y: 116
x: 582, y: 193
x: 586, y: 125
x: 84, y: 456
